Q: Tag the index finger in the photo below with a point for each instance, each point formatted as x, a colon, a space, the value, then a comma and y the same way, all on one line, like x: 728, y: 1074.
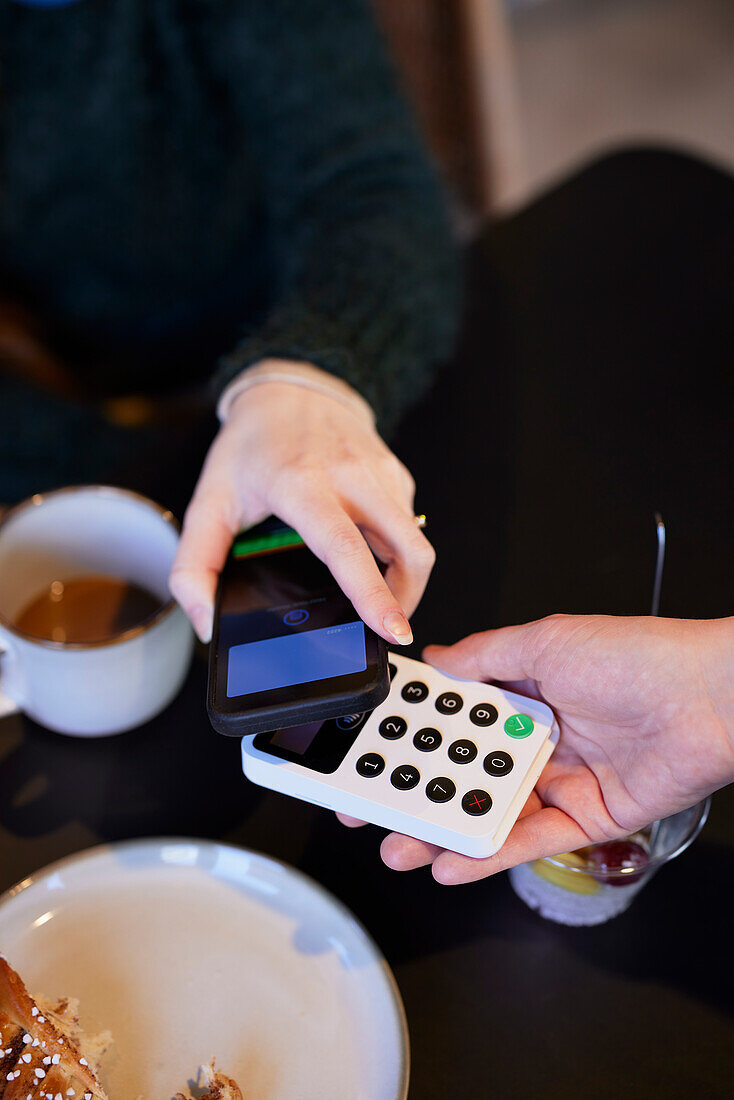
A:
x: 328, y: 530
x: 389, y: 527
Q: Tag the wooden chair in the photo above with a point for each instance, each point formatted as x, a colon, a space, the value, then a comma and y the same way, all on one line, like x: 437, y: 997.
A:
x: 455, y: 58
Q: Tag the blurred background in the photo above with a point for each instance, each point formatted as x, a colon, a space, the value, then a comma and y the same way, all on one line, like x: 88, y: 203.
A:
x: 514, y: 94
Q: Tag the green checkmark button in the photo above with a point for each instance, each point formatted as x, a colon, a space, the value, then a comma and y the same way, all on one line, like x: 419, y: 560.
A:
x: 519, y: 725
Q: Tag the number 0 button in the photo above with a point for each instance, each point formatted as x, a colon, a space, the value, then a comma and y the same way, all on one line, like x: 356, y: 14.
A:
x: 427, y: 739
x: 393, y: 727
x: 370, y: 764
x: 441, y: 789
x: 414, y: 692
x: 463, y: 751
x: 484, y: 714
x: 498, y: 763
x: 449, y: 703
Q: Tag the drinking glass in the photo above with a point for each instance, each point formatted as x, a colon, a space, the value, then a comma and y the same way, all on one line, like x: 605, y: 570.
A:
x: 570, y: 888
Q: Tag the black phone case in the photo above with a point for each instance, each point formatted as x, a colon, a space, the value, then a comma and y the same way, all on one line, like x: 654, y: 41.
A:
x: 265, y: 719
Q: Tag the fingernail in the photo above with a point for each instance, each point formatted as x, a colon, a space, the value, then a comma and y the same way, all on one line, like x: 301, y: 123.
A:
x: 201, y: 617
x: 396, y: 624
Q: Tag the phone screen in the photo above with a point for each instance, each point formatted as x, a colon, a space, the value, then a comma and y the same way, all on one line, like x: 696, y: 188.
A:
x: 285, y: 630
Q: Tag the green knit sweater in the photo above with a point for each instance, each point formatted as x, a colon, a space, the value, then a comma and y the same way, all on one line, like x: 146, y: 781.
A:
x: 187, y: 186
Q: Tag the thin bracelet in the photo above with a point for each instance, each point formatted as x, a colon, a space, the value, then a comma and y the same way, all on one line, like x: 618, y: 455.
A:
x: 255, y: 377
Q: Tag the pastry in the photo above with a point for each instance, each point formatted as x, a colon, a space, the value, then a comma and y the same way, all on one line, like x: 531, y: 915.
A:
x: 220, y: 1087
x: 43, y: 1055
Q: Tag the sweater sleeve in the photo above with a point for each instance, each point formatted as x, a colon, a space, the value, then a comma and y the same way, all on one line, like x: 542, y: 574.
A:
x: 364, y: 268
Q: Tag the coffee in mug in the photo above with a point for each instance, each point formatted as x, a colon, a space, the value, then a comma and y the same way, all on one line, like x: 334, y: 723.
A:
x: 91, y: 641
x: 86, y: 609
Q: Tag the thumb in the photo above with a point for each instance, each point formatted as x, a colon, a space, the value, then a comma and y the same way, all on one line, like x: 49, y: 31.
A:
x: 510, y: 654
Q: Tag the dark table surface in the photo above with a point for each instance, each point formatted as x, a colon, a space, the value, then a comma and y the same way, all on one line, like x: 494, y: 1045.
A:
x: 540, y: 460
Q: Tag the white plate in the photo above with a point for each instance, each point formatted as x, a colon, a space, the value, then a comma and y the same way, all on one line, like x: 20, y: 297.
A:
x: 188, y: 950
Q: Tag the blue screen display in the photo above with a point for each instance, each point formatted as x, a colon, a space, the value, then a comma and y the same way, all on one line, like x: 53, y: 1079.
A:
x: 300, y: 658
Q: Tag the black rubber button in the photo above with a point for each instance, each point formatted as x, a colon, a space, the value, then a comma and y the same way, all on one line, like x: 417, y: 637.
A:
x: 441, y: 789
x: 405, y: 777
x: 475, y: 803
x: 498, y: 763
x: 370, y: 764
x: 484, y: 714
x: 427, y: 739
x: 415, y: 691
x: 449, y: 703
x: 463, y: 751
x: 393, y: 727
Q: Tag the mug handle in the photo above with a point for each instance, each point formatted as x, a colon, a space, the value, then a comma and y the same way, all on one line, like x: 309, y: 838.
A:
x: 11, y: 700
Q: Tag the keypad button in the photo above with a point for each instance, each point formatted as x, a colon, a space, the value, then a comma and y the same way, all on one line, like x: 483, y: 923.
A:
x: 519, y: 725
x: 405, y: 777
x: 392, y: 669
x: 449, y: 703
x: 463, y: 751
x: 415, y: 691
x: 393, y: 727
x: 441, y: 789
x: 484, y: 714
x: 498, y: 763
x: 475, y: 803
x: 427, y: 739
x: 370, y: 764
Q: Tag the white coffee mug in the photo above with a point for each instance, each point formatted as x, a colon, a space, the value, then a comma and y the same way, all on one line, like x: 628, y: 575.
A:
x: 90, y: 689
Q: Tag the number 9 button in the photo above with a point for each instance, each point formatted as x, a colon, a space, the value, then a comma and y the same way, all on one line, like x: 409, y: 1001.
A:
x: 483, y: 714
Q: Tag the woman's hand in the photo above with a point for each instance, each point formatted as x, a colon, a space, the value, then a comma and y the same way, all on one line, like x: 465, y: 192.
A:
x: 322, y: 468
x: 645, y: 709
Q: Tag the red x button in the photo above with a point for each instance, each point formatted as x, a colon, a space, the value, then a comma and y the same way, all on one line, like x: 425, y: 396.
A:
x: 476, y: 803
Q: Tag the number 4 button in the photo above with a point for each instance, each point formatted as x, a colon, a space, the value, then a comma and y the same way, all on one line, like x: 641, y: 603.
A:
x: 405, y: 777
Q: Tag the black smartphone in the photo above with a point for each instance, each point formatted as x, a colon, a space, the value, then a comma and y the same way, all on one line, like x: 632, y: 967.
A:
x: 287, y: 646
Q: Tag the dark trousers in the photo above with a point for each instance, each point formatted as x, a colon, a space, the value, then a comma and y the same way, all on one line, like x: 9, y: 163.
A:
x: 594, y: 384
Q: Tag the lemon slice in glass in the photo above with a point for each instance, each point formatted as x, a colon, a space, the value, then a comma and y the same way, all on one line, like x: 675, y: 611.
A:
x: 573, y: 880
